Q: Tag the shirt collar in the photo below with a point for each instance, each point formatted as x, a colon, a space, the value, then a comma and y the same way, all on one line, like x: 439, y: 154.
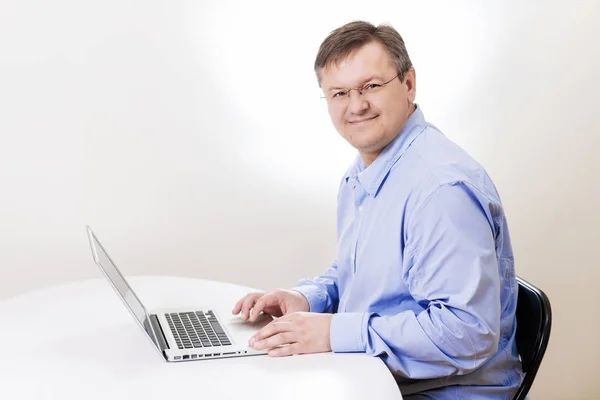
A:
x: 371, y: 178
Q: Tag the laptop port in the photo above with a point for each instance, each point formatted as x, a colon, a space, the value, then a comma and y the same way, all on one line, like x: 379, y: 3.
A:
x: 228, y: 354
x: 217, y: 354
x: 178, y: 357
x: 194, y: 356
x: 186, y: 357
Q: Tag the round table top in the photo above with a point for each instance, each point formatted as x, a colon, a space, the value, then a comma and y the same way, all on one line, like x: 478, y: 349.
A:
x: 78, y: 341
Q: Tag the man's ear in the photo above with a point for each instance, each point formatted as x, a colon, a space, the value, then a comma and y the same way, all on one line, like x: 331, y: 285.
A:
x: 410, y: 80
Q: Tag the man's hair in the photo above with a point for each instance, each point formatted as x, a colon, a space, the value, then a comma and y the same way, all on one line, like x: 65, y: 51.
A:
x: 350, y: 37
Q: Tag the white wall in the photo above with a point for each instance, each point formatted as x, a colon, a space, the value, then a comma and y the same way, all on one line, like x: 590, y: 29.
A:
x: 192, y: 138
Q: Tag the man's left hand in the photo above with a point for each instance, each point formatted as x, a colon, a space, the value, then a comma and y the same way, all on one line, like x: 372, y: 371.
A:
x: 299, y: 333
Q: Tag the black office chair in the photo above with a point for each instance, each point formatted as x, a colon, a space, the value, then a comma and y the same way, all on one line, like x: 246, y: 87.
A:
x: 534, y: 319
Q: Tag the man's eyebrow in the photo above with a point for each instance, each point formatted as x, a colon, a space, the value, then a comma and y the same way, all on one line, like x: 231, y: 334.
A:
x: 364, y: 81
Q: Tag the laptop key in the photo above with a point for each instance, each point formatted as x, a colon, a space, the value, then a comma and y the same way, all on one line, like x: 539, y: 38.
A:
x: 215, y: 325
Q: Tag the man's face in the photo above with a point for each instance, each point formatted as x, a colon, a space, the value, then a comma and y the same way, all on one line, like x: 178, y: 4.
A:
x: 370, y: 121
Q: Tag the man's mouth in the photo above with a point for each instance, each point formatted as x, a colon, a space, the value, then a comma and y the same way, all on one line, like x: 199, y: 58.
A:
x: 360, y: 121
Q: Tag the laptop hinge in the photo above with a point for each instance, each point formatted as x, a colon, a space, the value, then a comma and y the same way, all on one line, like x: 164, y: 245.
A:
x: 160, y: 335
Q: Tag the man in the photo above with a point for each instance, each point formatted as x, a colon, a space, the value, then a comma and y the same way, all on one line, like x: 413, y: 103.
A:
x: 424, y: 275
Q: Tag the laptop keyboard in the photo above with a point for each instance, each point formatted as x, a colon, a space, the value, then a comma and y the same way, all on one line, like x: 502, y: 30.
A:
x: 196, y: 329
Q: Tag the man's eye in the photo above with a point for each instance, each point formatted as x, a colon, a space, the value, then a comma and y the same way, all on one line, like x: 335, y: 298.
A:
x: 371, y: 86
x: 339, y: 94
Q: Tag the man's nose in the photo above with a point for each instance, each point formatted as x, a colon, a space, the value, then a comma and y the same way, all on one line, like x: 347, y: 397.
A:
x: 357, y: 103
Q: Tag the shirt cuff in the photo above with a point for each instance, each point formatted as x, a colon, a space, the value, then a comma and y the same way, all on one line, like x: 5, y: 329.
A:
x: 347, y: 332
x: 317, y: 298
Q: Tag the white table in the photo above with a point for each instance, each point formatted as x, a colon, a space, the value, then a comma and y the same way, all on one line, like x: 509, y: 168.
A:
x: 77, y: 341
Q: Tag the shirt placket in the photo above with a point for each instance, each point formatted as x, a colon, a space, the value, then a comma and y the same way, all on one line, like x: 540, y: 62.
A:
x: 359, y: 197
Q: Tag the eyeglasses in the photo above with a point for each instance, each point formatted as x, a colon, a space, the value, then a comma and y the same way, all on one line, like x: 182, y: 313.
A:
x: 339, y: 97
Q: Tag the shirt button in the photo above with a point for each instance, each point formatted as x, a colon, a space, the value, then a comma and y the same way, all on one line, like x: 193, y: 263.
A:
x: 360, y: 208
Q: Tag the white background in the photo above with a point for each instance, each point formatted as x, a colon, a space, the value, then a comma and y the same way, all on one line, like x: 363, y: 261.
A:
x: 190, y: 135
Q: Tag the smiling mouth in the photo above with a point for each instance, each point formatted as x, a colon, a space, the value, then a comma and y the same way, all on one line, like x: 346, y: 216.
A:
x: 362, y: 120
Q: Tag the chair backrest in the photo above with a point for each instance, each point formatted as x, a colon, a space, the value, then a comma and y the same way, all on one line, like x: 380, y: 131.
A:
x: 534, y: 320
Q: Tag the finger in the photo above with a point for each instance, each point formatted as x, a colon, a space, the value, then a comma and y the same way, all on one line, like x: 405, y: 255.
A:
x: 275, y: 340
x: 273, y: 328
x: 238, y: 306
x: 248, y: 303
x: 294, y: 348
x: 259, y: 306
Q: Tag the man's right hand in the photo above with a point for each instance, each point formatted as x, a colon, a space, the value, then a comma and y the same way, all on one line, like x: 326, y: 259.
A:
x: 276, y: 303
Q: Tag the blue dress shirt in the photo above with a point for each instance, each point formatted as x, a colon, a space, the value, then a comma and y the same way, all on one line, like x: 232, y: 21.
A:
x: 424, y: 275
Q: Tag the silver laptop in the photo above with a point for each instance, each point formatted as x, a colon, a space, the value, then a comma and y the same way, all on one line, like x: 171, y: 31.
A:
x: 181, y: 334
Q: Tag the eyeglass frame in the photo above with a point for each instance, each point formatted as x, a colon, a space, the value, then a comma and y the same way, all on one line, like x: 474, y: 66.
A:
x: 360, y: 90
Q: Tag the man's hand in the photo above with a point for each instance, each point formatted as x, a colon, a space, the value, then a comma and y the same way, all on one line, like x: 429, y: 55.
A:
x: 302, y: 332
x: 276, y: 303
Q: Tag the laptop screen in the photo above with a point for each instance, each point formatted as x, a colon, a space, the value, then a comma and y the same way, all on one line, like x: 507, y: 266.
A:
x: 120, y: 285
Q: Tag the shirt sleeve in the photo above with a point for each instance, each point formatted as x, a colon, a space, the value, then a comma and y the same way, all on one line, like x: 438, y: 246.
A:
x: 451, y: 270
x: 321, y: 291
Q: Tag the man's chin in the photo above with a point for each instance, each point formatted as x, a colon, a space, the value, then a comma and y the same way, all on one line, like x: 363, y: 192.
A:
x: 363, y: 140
